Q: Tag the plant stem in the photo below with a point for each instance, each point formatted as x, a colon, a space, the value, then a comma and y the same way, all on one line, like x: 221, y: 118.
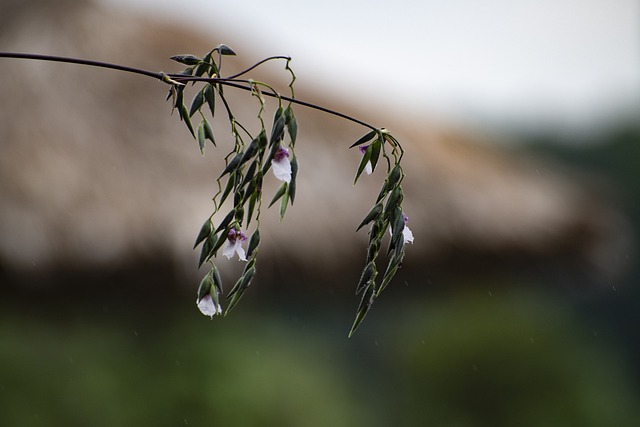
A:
x: 78, y: 61
x: 232, y: 81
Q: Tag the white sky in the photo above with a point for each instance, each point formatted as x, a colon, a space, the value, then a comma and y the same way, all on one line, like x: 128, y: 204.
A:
x: 560, y: 62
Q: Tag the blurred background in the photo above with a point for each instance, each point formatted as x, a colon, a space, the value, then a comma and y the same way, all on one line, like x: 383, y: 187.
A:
x: 517, y: 305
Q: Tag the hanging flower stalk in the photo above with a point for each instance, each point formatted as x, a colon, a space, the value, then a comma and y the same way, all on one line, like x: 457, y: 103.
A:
x: 248, y: 163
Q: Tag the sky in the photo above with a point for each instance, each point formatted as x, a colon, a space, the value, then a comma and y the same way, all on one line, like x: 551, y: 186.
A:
x: 569, y: 64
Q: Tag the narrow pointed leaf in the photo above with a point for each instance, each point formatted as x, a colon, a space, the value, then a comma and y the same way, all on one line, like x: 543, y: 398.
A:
x: 208, y: 132
x: 365, y: 305
x: 252, y: 206
x: 186, y: 59
x: 367, y: 277
x: 205, y: 230
x: 292, y: 124
x: 251, y: 150
x: 226, y: 221
x: 283, y: 204
x: 363, y: 163
x: 217, y: 281
x: 368, y: 137
x: 294, y: 174
x: 185, y: 116
x: 201, y: 137
x: 233, y: 164
x: 197, y: 102
x: 207, y: 249
x: 225, y: 50
x: 205, y: 286
x: 394, y: 177
x: 281, y: 191
x: 210, y: 97
x: 375, y: 153
x: 277, y: 131
x: 373, y: 214
x: 254, y: 241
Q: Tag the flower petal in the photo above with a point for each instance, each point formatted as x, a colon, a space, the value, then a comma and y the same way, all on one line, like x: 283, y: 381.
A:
x: 208, y: 307
x: 240, y: 250
x: 407, y: 234
x: 368, y: 169
x: 282, y: 169
x: 229, y: 249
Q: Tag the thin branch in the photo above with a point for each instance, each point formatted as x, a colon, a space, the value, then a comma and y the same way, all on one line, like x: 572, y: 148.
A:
x: 235, y: 76
x: 236, y: 83
x: 78, y: 61
x: 230, y: 81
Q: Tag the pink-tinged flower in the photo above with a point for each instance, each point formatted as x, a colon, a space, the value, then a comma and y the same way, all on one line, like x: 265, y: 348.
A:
x: 281, y: 164
x: 367, y: 168
x: 208, y: 306
x: 234, y: 245
x: 406, y: 233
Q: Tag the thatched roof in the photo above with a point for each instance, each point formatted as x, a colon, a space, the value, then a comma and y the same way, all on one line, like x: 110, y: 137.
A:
x: 95, y: 173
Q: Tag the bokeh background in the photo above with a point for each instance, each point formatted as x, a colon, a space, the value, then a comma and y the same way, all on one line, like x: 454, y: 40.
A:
x: 98, y: 324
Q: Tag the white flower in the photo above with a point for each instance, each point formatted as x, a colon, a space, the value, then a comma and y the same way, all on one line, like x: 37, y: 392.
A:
x: 208, y: 307
x: 281, y: 164
x: 367, y: 168
x: 407, y: 235
x: 234, y: 245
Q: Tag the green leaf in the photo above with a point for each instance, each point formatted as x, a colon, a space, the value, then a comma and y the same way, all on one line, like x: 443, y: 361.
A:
x: 254, y: 241
x: 215, y: 275
x: 252, y: 206
x: 221, y: 240
x: 292, y: 124
x: 283, y: 204
x: 365, y: 305
x: 375, y: 153
x: 225, y: 50
x: 231, y: 182
x: 226, y: 221
x: 294, y: 174
x: 201, y: 137
x: 363, y: 163
x: 233, y: 164
x: 205, y: 230
x: 394, y: 201
x: 277, y: 132
x: 238, y: 289
x: 248, y: 177
x: 205, y: 286
x: 208, y: 132
x: 373, y: 215
x: 392, y: 269
x: 251, y: 150
x: 394, y: 177
x: 202, y: 67
x: 207, y: 249
x: 367, y: 278
x: 281, y: 191
x: 368, y: 137
x: 210, y: 97
x: 234, y: 301
x: 197, y: 102
x: 186, y: 59
x: 373, y: 250
x: 185, y: 116
x: 244, y: 280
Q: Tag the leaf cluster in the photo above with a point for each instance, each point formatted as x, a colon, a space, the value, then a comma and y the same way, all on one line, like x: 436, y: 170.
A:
x: 386, y: 216
x: 246, y: 165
